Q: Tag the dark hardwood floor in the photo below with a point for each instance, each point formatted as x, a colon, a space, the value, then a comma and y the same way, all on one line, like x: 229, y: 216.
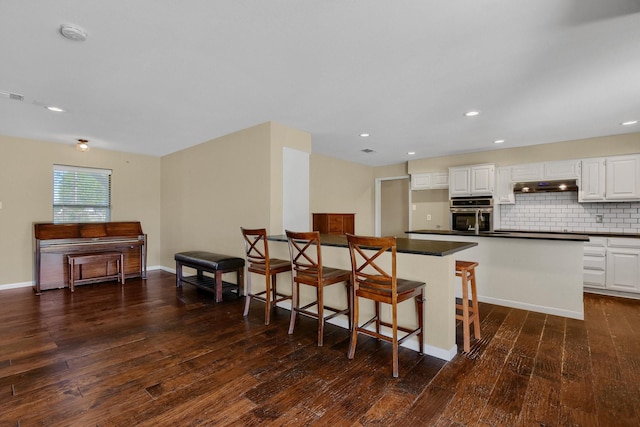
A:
x: 146, y: 354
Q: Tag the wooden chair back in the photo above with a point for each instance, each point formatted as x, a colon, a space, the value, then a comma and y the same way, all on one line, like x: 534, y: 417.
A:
x: 256, y: 246
x: 306, y: 256
x: 368, y: 268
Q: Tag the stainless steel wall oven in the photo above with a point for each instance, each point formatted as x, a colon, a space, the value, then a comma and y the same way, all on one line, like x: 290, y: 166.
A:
x: 472, y: 214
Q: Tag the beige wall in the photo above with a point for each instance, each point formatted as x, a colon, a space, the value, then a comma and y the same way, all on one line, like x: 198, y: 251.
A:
x: 343, y: 187
x: 26, y: 193
x: 211, y: 190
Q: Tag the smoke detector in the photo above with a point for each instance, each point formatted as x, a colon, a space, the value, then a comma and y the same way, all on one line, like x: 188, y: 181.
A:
x: 73, y: 32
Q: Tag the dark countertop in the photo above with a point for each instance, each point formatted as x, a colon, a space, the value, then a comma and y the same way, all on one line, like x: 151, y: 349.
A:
x: 404, y: 245
x: 510, y: 234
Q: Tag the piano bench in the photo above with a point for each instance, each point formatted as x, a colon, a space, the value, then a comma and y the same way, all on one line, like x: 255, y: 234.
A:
x: 210, y: 262
x: 95, y: 258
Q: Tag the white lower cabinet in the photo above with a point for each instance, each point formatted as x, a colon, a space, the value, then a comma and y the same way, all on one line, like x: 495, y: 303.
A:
x: 612, y: 264
x: 595, y: 262
x: 623, y: 265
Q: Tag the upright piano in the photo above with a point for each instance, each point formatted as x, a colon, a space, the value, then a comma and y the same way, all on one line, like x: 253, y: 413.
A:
x: 54, y: 242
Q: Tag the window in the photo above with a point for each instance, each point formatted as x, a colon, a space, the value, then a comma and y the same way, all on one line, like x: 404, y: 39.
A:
x: 81, y: 194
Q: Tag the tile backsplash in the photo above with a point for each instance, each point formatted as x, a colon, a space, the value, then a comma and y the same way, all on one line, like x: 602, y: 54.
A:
x: 562, y: 212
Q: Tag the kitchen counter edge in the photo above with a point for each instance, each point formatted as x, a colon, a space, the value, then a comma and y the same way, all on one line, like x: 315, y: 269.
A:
x: 404, y: 245
x: 509, y: 235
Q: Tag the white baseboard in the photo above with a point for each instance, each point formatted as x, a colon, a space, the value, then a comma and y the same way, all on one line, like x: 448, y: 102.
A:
x: 16, y: 285
x: 533, y: 307
x: 30, y: 284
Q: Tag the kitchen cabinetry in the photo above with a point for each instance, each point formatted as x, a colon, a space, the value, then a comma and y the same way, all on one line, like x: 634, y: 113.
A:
x: 610, y: 179
x: 563, y: 169
x: 430, y: 181
x: 612, y: 264
x: 334, y: 223
x: 623, y: 264
x: 504, y: 186
x: 595, y: 262
x: 476, y: 180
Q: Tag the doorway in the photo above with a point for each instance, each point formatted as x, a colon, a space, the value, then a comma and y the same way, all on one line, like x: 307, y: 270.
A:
x: 392, y: 202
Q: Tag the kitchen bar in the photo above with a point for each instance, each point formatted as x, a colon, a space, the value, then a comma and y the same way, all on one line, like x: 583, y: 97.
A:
x: 533, y: 271
x: 431, y: 261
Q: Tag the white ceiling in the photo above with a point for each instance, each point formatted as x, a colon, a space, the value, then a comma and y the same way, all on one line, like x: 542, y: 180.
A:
x: 157, y: 76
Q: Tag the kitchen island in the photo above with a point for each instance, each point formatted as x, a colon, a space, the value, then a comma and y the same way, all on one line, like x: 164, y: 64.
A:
x: 534, y: 271
x: 429, y: 260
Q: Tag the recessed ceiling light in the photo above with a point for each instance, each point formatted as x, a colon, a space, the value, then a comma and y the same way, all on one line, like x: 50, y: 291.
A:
x: 411, y: 153
x: 364, y: 135
x: 55, y: 109
x: 629, y: 123
x: 471, y: 113
x: 498, y: 141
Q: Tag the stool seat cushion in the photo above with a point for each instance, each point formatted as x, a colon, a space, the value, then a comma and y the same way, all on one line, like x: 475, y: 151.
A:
x: 209, y: 260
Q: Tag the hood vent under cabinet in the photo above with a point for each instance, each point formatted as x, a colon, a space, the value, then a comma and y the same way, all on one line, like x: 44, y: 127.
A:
x: 545, y: 186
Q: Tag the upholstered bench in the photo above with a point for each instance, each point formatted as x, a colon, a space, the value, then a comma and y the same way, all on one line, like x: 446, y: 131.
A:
x: 216, y: 264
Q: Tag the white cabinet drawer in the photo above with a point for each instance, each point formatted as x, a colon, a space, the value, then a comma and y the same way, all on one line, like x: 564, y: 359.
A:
x: 594, y: 278
x: 595, y: 262
x: 622, y: 242
x: 595, y: 251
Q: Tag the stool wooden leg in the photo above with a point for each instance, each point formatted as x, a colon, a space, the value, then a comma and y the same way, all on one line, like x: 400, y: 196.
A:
x: 248, y: 292
x: 476, y: 313
x: 465, y: 310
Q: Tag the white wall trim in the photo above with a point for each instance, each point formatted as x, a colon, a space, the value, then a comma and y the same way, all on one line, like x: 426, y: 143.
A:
x: 30, y: 284
x: 532, y: 307
x: 16, y: 285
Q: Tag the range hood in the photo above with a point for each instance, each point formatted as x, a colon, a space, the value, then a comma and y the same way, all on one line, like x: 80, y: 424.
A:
x: 545, y: 186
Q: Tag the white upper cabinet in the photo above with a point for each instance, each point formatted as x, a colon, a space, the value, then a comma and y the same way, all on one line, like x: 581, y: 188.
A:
x: 623, y: 178
x: 592, y: 180
x: 430, y: 181
x: 610, y: 179
x: 504, y: 193
x: 477, y: 180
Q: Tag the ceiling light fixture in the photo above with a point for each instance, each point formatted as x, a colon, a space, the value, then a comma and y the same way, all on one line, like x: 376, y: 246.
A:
x: 364, y: 135
x: 471, y: 113
x: 411, y: 153
x: 498, y: 141
x: 54, y: 109
x: 73, y: 32
x: 82, y: 145
x: 629, y: 123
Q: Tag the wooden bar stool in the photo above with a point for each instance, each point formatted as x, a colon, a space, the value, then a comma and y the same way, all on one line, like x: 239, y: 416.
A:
x: 306, y: 260
x: 466, y: 270
x: 373, y: 273
x: 258, y: 262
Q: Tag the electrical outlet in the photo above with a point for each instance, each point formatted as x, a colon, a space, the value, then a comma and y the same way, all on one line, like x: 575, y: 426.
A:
x: 599, y: 218
x: 428, y: 217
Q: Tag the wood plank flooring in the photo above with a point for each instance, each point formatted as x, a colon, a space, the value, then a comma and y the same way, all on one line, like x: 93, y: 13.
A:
x: 148, y: 354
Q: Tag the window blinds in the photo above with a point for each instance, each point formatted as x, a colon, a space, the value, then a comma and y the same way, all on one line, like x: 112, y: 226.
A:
x: 81, y: 194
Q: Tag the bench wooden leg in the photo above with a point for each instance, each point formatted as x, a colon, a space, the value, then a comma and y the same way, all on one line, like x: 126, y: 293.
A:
x: 178, y: 274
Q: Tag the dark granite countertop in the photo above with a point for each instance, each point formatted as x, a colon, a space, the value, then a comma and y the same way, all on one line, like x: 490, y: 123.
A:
x: 510, y: 234
x: 404, y: 245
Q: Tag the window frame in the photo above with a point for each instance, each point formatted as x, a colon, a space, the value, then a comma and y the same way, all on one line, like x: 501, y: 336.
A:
x: 66, y: 211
